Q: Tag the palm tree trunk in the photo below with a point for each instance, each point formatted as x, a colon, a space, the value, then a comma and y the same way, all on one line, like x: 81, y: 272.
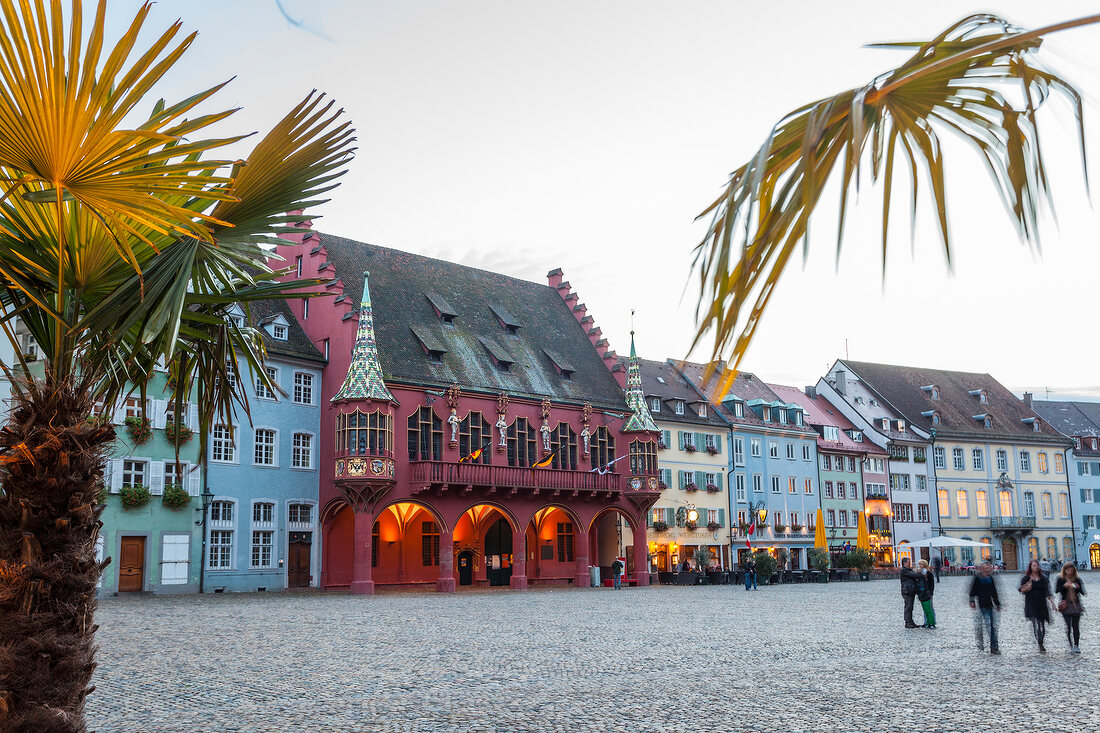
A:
x: 51, y: 470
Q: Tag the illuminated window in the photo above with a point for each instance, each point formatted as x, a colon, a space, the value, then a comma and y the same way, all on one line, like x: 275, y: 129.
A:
x: 945, y: 503
x: 962, y: 501
x: 983, y: 503
x: 1042, y: 462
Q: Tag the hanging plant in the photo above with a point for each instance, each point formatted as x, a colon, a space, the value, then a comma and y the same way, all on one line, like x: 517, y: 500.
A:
x: 178, y: 433
x: 140, y: 429
x: 691, y: 525
x: 134, y: 497
x: 175, y: 496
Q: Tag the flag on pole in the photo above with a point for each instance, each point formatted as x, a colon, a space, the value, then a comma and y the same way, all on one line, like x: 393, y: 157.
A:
x: 606, y: 467
x: 752, y: 528
x: 475, y: 455
x: 546, y: 461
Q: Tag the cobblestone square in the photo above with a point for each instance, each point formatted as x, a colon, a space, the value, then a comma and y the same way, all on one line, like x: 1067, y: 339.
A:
x: 801, y: 658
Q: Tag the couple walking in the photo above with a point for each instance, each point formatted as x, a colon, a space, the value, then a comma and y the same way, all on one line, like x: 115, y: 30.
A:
x: 918, y: 584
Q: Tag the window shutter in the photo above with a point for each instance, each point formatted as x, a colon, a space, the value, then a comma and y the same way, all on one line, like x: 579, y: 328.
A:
x: 193, y: 417
x: 666, y: 436
x: 107, y: 472
x: 682, y: 480
x: 721, y: 517
x: 116, y: 475
x: 192, y: 481
x: 156, y: 477
x: 718, y: 442
x: 158, y: 413
x: 649, y: 518
x: 118, y: 413
x: 682, y: 442
x: 718, y: 480
x: 700, y: 440
x: 700, y: 479
x: 666, y: 476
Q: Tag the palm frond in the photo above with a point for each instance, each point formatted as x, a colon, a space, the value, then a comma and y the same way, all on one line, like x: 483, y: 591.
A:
x: 979, y: 80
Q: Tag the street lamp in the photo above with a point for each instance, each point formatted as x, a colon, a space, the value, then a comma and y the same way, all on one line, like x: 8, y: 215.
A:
x: 207, y: 496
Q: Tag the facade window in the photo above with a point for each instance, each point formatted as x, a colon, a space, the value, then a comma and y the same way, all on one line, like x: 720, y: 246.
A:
x: 221, y: 548
x: 792, y: 485
x: 945, y: 503
x: 876, y: 465
x: 755, y: 447
x: 133, y: 473
x: 757, y: 483
x: 1059, y: 466
x: 1002, y: 459
x: 739, y: 482
x: 790, y: 451
x: 739, y: 451
x: 429, y: 544
x: 1025, y: 461
x: 843, y: 517
x: 262, y: 548
x: 962, y: 502
x: 302, y: 451
x: 565, y: 541
x: 899, y: 481
x: 603, y: 447
x: 775, y: 485
x: 1033, y: 548
x: 853, y: 491
x: 222, y: 448
x: 957, y: 459
x: 920, y: 455
x: 363, y: 434
x: 265, y: 447
x: 840, y: 492
x: 1052, y: 548
x: 563, y: 443
x: 1063, y: 505
x: 655, y: 404
x: 903, y: 512
x: 979, y: 459
x: 982, y: 497
x: 1029, y: 504
x: 809, y: 486
x: 474, y: 432
x: 221, y: 511
x: 1004, y: 503
x: 921, y: 483
x: 1042, y: 462
x: 262, y: 390
x: 828, y: 489
x: 922, y: 513
x: 773, y: 449
x: 263, y: 512
x: 830, y: 518
x: 300, y: 513
x: 679, y: 407
x: 806, y: 453
x: 303, y: 388
x: 172, y: 477
x: 1067, y: 547
x: 643, y: 457
x: 826, y: 462
x: 899, y: 452
x: 426, y: 435
x: 1048, y: 505
x: 133, y: 407
x: 939, y: 457
x: 851, y: 464
x: 710, y: 441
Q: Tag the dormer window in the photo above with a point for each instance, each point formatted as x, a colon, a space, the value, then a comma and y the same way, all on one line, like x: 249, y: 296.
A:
x: 502, y: 360
x: 278, y: 331
x: 831, y: 432
x: 933, y: 417
x: 702, y: 409
x: 448, y: 320
x: 563, y: 367
x: 782, y: 417
x: 679, y: 407
x: 443, y: 310
x: 983, y: 398
x: 739, y: 409
x: 432, y: 346
x: 932, y: 390
x: 901, y: 426
x: 236, y: 316
x: 857, y: 436
x: 885, y: 423
x: 654, y: 404
x: 766, y: 412
x: 1092, y: 443
x: 988, y: 422
x: 859, y: 400
x: 1037, y: 426
x: 798, y: 417
x: 506, y: 320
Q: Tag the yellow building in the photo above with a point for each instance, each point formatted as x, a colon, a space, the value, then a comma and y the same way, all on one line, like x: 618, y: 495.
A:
x: 694, y: 505
x: 997, y: 471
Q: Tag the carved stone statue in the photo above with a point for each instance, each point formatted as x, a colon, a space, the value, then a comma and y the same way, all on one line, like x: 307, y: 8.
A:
x: 502, y: 426
x: 545, y: 430
x: 585, y: 437
x: 453, y: 422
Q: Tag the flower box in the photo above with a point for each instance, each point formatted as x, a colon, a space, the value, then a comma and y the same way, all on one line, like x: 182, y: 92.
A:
x: 660, y: 526
x: 661, y: 485
x: 175, y: 496
x: 713, y: 526
x: 712, y: 450
x: 690, y: 448
x: 691, y: 487
x: 139, y: 428
x: 178, y: 433
x: 712, y: 488
x: 134, y: 497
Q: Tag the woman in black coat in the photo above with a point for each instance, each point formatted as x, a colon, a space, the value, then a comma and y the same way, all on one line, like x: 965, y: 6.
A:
x: 1037, y: 597
x: 1070, y: 587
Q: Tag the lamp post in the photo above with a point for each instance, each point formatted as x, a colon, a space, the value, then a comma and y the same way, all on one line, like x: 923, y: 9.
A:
x: 207, y: 496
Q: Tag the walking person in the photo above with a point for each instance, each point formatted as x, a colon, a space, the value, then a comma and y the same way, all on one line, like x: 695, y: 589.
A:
x: 750, y: 574
x: 984, y: 597
x: 1038, y: 600
x: 937, y: 564
x: 909, y: 580
x: 1070, y: 587
x: 617, y: 572
x: 925, y: 590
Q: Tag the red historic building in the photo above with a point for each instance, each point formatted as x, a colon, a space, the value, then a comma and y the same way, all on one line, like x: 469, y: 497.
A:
x: 474, y: 427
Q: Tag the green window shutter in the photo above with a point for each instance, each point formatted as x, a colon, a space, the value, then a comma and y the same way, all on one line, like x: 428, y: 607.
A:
x: 718, y: 480
x: 721, y: 517
x: 718, y: 442
x: 666, y: 476
x: 667, y: 438
x: 649, y: 518
x: 700, y: 441
x: 682, y: 442
x: 680, y: 481
x: 700, y: 479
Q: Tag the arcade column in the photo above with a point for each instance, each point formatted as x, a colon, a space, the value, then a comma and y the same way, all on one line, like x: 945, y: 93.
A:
x: 361, y: 583
x: 446, y: 581
x: 518, y: 580
x: 580, y: 549
x: 641, y: 556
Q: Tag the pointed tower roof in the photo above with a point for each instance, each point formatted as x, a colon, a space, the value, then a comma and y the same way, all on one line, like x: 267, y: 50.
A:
x: 640, y: 421
x: 364, y: 378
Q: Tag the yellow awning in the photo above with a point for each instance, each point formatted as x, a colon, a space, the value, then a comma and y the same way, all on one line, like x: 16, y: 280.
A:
x: 819, y: 536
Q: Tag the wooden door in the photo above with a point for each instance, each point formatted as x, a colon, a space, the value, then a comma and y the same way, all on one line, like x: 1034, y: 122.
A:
x: 466, y: 567
x: 1008, y: 554
x: 131, y: 570
x: 299, y: 557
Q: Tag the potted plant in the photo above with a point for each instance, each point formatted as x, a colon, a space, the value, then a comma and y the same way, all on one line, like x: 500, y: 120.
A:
x: 862, y: 560
x: 765, y: 566
x: 139, y: 428
x: 175, y: 496
x: 713, y: 526
x: 690, y: 486
x: 712, y: 488
x: 134, y: 497
x: 660, y: 526
x: 796, y: 527
x: 819, y: 560
x: 178, y: 432
x: 712, y: 450
x: 780, y: 528
x: 702, y: 559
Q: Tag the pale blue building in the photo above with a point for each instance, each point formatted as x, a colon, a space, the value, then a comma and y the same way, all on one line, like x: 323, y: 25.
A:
x: 263, y: 526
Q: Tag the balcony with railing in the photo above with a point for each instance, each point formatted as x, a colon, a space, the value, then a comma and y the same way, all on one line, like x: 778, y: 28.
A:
x: 1012, y: 522
x: 425, y: 474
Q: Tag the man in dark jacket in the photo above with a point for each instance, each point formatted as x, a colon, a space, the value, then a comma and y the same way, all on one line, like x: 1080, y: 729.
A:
x: 909, y: 579
x: 984, y: 597
x: 937, y: 564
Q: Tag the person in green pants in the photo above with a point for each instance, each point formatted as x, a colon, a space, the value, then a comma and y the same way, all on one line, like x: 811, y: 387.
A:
x: 926, y: 587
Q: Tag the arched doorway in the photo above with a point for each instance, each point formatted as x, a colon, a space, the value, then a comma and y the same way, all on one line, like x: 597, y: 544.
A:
x: 1008, y: 554
x: 611, y: 537
x: 337, y: 548
x: 485, y: 534
x: 552, y: 544
x: 466, y: 567
x: 498, y: 552
x: 1094, y: 555
x: 405, y: 545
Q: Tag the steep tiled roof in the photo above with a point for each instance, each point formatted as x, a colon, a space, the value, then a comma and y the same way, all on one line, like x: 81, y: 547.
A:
x: 662, y: 380
x: 1075, y: 419
x: 297, y: 344
x: 401, y: 283
x: 902, y: 386
x: 819, y: 412
x: 747, y: 386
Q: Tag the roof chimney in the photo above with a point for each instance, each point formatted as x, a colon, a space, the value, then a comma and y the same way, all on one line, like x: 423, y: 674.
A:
x: 842, y: 382
x: 1029, y: 400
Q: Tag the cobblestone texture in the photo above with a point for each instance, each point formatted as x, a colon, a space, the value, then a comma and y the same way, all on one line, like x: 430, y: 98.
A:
x: 800, y: 658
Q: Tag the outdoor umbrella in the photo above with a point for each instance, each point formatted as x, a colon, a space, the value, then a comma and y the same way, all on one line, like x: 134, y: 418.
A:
x: 819, y: 536
x: 863, y: 538
x: 948, y: 542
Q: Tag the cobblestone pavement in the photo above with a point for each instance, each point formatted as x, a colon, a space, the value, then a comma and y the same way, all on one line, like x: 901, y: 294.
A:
x: 807, y: 657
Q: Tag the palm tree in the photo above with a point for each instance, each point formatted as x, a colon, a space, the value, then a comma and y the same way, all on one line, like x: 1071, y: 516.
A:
x: 978, y: 80
x: 122, y: 246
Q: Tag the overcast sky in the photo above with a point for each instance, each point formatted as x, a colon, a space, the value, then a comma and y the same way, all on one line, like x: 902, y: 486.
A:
x: 522, y: 136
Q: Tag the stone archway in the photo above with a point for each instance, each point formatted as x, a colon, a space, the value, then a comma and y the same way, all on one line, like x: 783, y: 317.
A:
x: 554, y: 547
x: 615, y: 533
x: 488, y: 537
x: 407, y: 544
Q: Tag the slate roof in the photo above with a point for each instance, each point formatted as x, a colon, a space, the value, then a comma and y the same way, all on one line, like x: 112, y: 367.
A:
x: 400, y: 284
x: 674, y: 387
x: 901, y: 387
x: 1076, y: 419
x: 297, y: 344
x: 819, y: 412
